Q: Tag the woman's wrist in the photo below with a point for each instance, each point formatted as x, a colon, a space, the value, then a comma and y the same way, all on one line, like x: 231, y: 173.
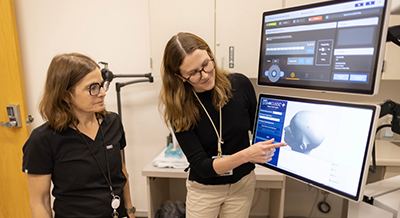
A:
x: 131, y: 210
x: 242, y: 156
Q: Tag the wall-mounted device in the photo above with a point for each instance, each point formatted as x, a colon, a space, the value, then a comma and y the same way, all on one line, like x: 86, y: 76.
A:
x: 14, y: 116
x: 333, y: 46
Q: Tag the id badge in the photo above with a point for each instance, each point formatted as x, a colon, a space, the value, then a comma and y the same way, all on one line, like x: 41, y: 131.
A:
x: 230, y: 172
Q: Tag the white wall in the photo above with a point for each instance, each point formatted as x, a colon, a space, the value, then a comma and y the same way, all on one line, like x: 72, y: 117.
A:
x: 116, y: 32
x: 167, y: 18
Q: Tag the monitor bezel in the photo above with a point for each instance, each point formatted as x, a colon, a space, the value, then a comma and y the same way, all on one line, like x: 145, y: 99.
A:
x: 367, y: 153
x: 378, y: 68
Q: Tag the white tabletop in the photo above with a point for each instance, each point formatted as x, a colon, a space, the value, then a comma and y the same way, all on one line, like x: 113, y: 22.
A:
x: 387, y: 153
x: 262, y: 173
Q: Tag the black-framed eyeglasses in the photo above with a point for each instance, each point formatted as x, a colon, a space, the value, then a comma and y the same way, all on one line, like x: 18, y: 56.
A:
x: 94, y: 89
x: 196, y: 76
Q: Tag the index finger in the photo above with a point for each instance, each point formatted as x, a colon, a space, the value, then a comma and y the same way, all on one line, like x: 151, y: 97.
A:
x: 274, y: 145
x: 277, y: 145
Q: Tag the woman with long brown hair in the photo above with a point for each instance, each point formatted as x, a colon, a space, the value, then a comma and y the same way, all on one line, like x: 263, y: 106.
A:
x: 79, y: 148
x: 211, y: 112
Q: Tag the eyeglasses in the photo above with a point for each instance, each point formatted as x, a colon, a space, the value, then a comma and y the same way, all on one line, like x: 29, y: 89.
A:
x: 94, y: 89
x: 197, y: 75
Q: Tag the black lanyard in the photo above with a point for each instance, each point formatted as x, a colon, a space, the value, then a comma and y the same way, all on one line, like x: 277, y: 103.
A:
x: 109, y: 181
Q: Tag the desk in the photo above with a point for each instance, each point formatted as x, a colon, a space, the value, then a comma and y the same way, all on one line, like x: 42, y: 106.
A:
x: 385, y: 200
x: 385, y: 204
x: 170, y: 184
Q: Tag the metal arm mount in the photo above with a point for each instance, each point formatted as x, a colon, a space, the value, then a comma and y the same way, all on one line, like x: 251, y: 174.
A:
x: 109, y: 76
x: 387, y: 107
x: 391, y: 107
x: 118, y: 87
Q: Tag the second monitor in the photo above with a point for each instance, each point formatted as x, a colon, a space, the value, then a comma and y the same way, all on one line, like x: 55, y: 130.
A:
x: 334, y: 46
x: 329, y: 142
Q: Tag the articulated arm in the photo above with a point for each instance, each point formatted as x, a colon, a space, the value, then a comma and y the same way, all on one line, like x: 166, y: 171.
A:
x: 391, y: 107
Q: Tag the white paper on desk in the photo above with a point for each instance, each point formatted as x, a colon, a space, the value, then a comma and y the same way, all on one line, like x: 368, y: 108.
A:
x: 171, y: 162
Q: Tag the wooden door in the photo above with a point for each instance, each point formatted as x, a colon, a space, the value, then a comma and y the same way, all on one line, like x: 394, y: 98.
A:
x: 14, y: 191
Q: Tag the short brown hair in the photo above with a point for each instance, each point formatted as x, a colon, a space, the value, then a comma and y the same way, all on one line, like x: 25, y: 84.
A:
x: 176, y: 99
x: 64, y: 72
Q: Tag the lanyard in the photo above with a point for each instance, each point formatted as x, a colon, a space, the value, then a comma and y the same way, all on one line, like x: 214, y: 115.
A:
x: 109, y: 182
x: 115, y: 202
x: 220, y: 140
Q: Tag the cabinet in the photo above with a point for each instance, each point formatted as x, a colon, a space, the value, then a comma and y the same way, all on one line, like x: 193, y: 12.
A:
x: 221, y: 23
x: 226, y: 24
x: 167, y: 18
x: 392, y: 53
x: 238, y: 25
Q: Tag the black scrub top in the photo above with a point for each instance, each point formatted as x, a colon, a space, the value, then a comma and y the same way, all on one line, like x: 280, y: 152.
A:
x: 80, y: 189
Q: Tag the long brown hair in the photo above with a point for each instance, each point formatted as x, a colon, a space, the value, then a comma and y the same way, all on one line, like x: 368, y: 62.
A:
x: 64, y: 72
x: 176, y: 101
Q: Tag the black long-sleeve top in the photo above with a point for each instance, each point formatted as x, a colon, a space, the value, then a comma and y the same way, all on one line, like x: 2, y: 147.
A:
x: 200, y: 144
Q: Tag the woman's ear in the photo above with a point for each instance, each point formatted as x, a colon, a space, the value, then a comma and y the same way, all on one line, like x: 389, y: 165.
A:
x: 66, y: 96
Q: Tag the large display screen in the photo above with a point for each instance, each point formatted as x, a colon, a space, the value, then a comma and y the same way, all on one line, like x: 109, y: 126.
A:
x: 334, y: 46
x: 329, y: 142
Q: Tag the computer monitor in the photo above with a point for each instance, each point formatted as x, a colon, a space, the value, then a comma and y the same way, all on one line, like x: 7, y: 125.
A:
x: 332, y: 46
x: 329, y: 142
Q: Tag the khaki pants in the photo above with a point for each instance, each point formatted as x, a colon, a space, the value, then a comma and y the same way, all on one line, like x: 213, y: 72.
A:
x: 223, y: 201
